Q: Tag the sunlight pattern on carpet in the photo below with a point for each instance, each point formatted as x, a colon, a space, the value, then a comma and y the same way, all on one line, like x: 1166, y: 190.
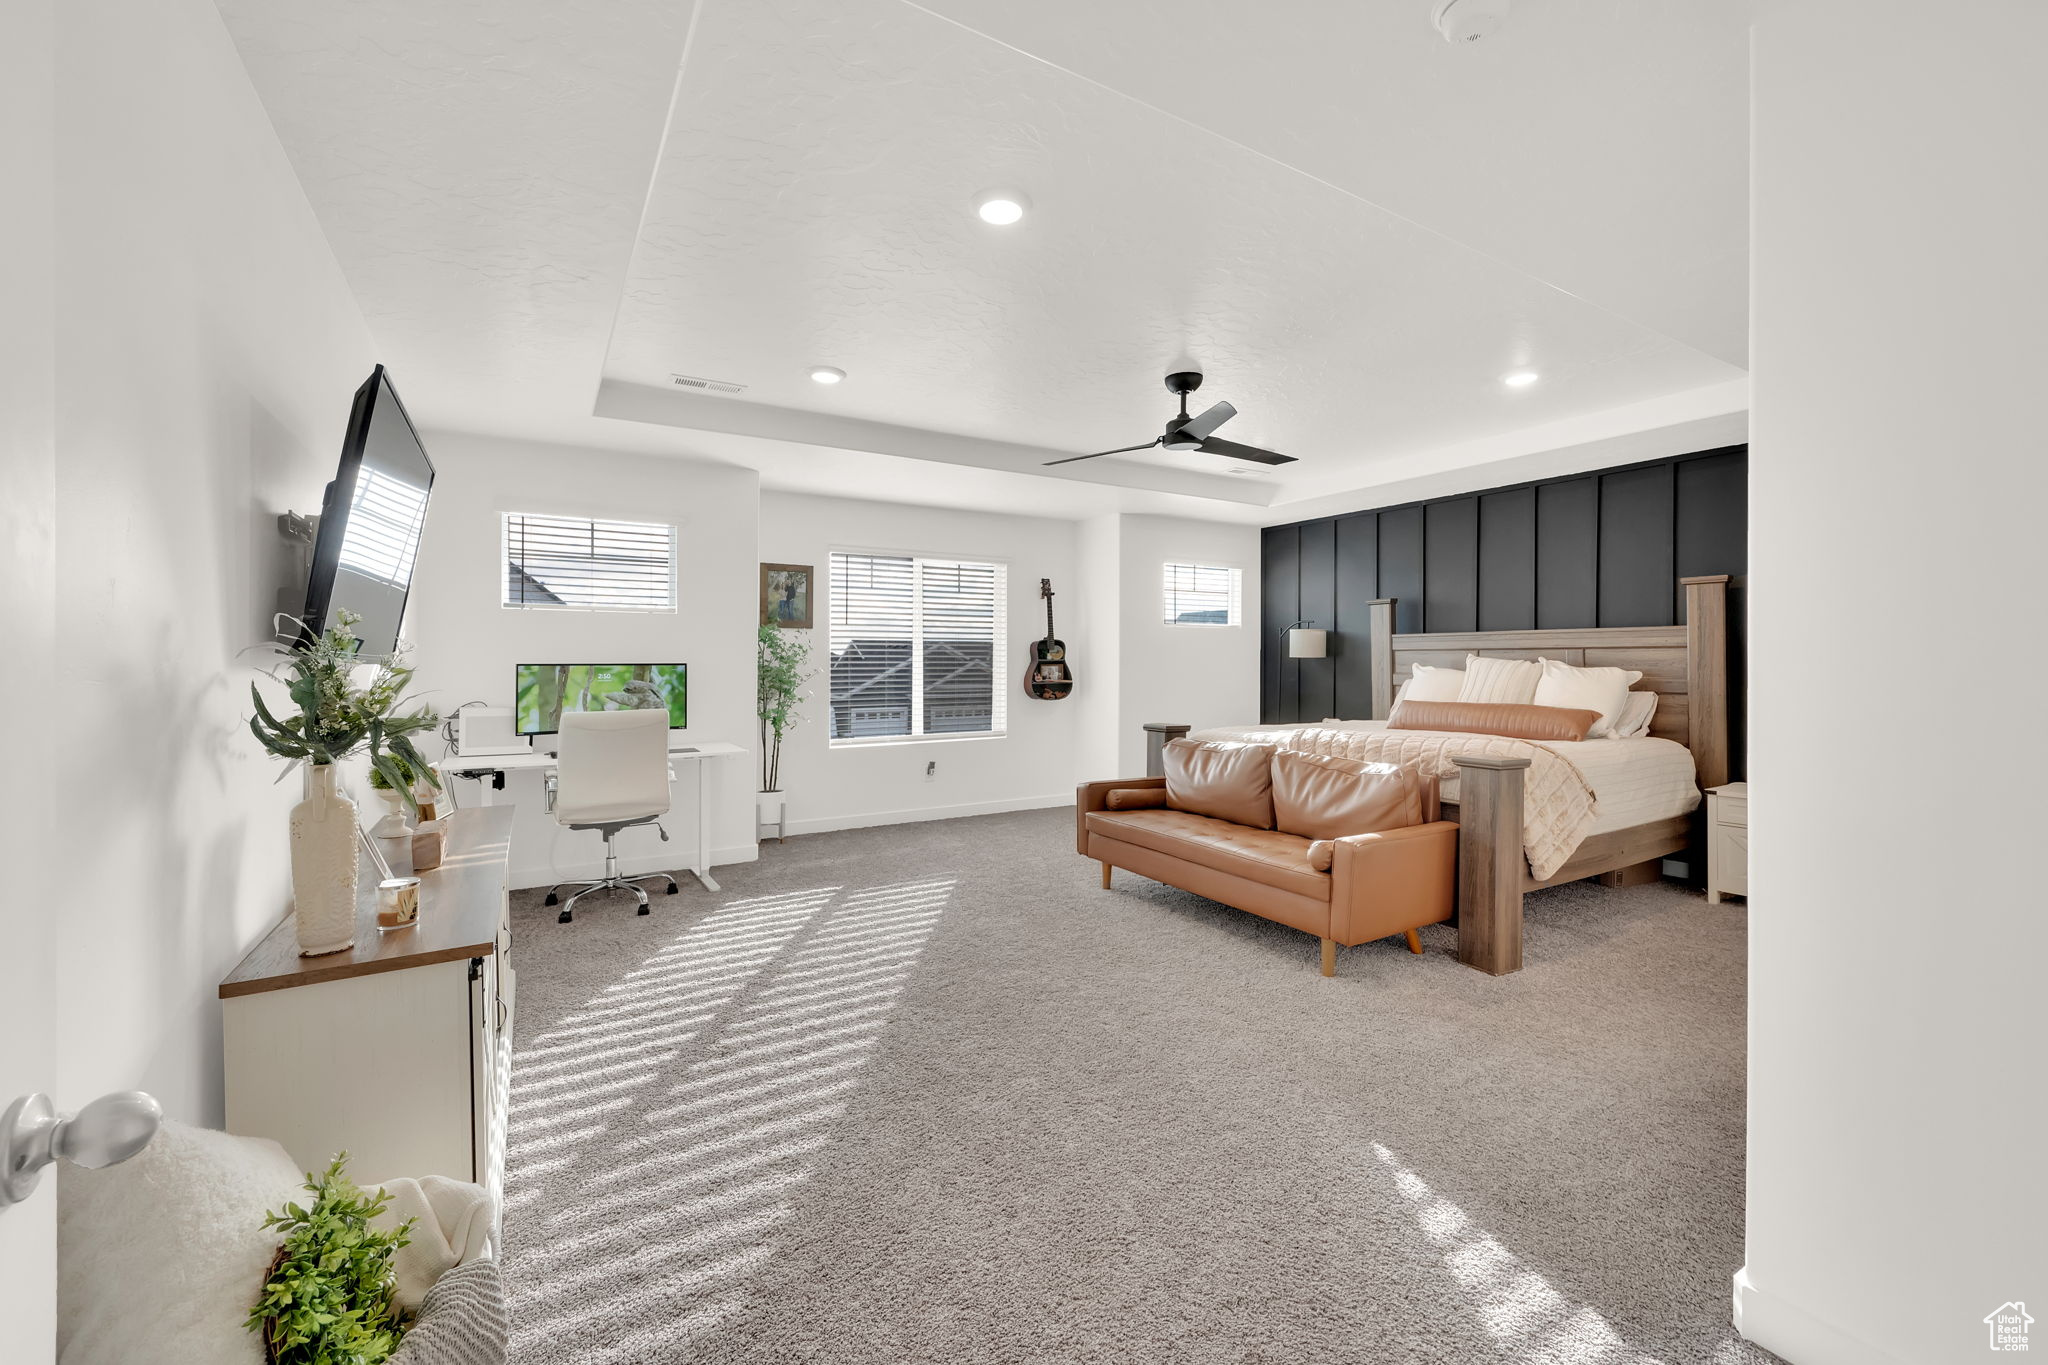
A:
x: 1516, y: 1306
x: 669, y: 1121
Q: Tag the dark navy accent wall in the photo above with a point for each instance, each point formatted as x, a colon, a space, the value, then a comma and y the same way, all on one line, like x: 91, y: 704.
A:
x: 1599, y: 549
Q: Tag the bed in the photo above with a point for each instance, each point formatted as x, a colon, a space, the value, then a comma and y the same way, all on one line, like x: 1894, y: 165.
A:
x: 1644, y: 791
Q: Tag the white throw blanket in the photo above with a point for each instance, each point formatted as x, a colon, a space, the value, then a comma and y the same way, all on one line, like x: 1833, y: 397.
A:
x: 1557, y: 801
x: 451, y: 1227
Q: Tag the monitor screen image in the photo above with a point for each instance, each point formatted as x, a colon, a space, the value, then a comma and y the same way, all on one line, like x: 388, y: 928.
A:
x: 542, y: 692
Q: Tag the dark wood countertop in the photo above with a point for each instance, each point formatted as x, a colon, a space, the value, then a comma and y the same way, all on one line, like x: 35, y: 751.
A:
x: 461, y: 903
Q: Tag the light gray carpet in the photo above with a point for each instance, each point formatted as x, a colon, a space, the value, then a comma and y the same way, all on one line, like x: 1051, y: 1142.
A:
x: 926, y: 1094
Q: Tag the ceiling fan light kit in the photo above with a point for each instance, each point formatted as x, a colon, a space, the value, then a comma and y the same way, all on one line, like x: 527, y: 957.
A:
x: 1192, y: 433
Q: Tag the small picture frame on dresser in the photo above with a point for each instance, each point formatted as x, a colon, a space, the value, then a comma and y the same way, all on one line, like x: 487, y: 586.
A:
x: 1727, y: 841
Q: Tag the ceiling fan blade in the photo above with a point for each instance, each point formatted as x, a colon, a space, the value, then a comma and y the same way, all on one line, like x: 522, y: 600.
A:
x: 1217, y: 446
x: 1120, y: 450
x: 1201, y: 424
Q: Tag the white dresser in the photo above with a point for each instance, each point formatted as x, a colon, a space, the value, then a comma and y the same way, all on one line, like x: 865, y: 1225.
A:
x: 397, y: 1049
x: 1727, y: 841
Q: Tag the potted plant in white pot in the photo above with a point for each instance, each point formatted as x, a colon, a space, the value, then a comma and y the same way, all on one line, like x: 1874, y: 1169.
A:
x: 780, y: 656
x: 335, y: 718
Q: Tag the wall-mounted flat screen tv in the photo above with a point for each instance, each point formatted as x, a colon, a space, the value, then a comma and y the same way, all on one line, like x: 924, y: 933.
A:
x: 370, y: 521
x: 542, y: 692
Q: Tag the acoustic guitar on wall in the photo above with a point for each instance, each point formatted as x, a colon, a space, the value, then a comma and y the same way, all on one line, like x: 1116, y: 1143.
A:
x: 1047, y: 677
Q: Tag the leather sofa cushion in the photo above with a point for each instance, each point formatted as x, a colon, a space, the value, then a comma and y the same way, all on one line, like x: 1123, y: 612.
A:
x: 1493, y: 718
x: 1321, y: 854
x: 1221, y: 779
x: 1136, y: 798
x: 1322, y: 796
x: 1260, y: 855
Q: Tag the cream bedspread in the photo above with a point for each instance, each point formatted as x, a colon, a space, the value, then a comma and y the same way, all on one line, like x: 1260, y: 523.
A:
x: 1557, y: 801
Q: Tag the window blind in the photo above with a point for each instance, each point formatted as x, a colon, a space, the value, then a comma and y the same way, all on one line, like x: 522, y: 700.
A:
x: 918, y: 647
x: 575, y: 563
x: 1203, y: 595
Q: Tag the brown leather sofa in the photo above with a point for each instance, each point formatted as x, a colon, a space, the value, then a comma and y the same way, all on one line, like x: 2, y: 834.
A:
x: 1346, y: 851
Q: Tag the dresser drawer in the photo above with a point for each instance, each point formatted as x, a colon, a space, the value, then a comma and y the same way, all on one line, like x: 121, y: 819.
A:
x: 1732, y: 811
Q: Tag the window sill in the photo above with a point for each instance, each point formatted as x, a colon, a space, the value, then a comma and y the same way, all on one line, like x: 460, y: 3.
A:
x: 898, y: 741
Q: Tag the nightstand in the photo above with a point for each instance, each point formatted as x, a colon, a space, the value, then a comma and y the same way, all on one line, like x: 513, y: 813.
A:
x: 1727, y: 841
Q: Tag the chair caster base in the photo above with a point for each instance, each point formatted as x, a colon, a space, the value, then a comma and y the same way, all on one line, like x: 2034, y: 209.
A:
x: 646, y: 910
x: 672, y: 889
x: 552, y: 899
x: 562, y: 918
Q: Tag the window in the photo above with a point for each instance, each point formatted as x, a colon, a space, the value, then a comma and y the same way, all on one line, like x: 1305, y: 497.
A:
x: 570, y: 563
x: 917, y: 647
x: 1203, y: 595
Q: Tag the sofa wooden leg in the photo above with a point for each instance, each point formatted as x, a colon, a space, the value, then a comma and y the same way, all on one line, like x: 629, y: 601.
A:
x: 1329, y: 957
x: 1414, y: 942
x: 1105, y: 876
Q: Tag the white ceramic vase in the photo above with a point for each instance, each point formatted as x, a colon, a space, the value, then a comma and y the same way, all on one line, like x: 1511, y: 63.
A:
x: 324, y: 865
x: 769, y: 809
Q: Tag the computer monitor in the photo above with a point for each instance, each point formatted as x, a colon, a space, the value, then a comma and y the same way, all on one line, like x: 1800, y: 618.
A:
x: 542, y: 692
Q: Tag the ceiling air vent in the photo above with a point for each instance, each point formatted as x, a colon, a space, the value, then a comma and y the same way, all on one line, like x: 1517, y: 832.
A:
x: 691, y: 381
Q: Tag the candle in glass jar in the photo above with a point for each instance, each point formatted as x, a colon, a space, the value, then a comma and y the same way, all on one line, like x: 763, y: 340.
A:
x: 398, y: 903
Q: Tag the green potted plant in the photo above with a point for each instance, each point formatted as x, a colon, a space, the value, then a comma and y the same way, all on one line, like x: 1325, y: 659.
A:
x: 334, y: 717
x: 779, y: 659
x: 329, y: 1298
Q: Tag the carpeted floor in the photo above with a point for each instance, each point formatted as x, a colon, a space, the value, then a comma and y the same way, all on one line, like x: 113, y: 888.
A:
x: 927, y: 1094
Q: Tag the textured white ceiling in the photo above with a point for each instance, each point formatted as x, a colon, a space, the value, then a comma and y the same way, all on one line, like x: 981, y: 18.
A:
x: 1351, y: 227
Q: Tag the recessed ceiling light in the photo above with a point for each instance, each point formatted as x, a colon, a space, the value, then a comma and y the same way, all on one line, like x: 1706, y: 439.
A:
x: 826, y: 374
x: 1518, y: 379
x: 1000, y: 207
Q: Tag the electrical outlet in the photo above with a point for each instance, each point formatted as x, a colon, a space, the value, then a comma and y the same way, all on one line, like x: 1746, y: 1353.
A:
x: 931, y: 771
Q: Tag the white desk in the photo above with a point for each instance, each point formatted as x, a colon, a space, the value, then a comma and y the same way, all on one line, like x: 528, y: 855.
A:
x: 494, y: 766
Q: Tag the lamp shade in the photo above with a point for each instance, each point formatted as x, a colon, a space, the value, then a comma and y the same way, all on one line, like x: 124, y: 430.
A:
x: 1307, y: 643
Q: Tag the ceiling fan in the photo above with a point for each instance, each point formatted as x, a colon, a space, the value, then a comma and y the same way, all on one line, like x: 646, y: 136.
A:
x: 1192, y: 433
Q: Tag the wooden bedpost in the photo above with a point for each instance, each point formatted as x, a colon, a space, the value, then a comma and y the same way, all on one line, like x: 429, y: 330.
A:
x: 1379, y: 625
x: 1490, y: 863
x: 1706, y: 682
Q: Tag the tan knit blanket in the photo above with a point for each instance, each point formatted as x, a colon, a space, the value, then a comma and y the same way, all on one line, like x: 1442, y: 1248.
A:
x: 1557, y: 802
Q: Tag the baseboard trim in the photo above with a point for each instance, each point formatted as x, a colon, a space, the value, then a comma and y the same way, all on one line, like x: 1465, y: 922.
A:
x: 1781, y: 1326
x: 640, y: 864
x: 825, y: 824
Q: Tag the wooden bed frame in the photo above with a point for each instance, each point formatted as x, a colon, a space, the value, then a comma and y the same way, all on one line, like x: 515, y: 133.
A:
x: 1686, y: 665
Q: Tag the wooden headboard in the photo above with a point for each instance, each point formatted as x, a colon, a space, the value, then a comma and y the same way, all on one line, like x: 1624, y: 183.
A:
x: 1685, y: 665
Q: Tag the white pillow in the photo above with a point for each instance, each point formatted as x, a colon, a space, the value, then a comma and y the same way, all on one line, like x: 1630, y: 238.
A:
x: 1636, y: 715
x: 1433, y: 684
x: 160, y: 1258
x: 1511, y: 681
x: 1586, y: 689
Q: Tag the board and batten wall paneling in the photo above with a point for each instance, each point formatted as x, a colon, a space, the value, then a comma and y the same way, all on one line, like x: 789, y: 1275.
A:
x: 1636, y: 576
x: 1599, y: 549
x: 1401, y: 566
x: 1450, y: 564
x: 1317, y: 679
x: 1358, y: 583
x: 1507, y: 560
x: 1567, y: 553
x: 1279, y: 603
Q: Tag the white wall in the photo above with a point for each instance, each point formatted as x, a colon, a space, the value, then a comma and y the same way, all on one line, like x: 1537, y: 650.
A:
x: 1201, y: 675
x: 1032, y: 765
x: 28, y: 515
x: 1898, y: 1082
x: 207, y: 348
x: 466, y: 643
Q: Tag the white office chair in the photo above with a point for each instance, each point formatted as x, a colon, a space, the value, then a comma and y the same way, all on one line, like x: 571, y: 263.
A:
x: 611, y: 772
